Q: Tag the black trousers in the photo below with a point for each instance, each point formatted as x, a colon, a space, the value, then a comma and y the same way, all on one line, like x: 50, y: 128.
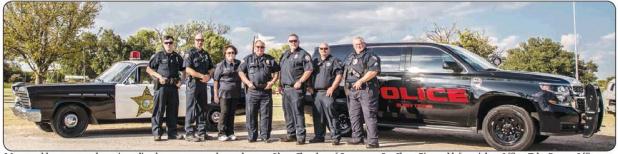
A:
x: 228, y: 108
x: 325, y: 114
x: 197, y: 98
x: 166, y: 99
x: 364, y: 104
x: 293, y: 110
x: 259, y: 101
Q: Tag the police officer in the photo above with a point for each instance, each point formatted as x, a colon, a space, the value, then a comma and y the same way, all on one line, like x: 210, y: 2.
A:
x: 326, y: 77
x: 199, y: 69
x: 259, y: 72
x: 296, y: 68
x: 361, y: 69
x: 165, y: 66
x: 226, y: 92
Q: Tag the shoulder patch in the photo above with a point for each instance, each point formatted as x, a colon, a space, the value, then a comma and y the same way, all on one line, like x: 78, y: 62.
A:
x: 374, y: 57
x: 307, y: 58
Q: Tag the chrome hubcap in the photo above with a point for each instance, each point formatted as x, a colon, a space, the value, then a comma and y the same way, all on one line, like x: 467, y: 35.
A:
x: 70, y: 120
x: 216, y: 116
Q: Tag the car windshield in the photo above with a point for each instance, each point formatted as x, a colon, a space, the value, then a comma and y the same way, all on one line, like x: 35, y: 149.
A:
x: 476, y: 61
x: 115, y: 74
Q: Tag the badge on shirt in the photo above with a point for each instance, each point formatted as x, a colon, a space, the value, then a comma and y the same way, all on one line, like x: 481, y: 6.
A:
x: 267, y: 62
x: 295, y: 56
x: 328, y: 64
x: 354, y: 61
x: 307, y: 58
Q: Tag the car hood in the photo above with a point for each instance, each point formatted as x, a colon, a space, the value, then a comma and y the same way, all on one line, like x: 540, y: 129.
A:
x: 537, y: 76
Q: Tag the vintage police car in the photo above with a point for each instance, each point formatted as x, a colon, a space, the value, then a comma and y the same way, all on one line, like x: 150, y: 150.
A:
x: 123, y: 93
x: 445, y: 87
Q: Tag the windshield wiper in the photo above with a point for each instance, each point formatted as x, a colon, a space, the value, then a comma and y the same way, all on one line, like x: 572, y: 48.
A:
x: 491, y: 69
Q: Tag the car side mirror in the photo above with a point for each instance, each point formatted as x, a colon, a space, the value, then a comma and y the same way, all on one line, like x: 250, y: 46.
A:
x: 451, y: 65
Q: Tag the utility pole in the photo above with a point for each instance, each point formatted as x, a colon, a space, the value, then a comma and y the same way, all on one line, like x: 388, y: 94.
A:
x: 575, y: 33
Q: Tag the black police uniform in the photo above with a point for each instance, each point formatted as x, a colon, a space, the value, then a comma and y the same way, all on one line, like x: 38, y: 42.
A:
x: 324, y: 112
x: 258, y: 69
x: 169, y: 66
x: 229, y: 91
x: 197, y: 93
x: 293, y: 65
x: 363, y: 102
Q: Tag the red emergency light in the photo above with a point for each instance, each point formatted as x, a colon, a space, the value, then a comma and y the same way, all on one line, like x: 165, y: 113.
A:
x: 135, y: 55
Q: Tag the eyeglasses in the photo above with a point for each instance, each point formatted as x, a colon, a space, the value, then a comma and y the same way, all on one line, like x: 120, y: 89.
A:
x: 230, y: 53
x: 323, y: 48
x: 259, y: 47
x: 168, y: 42
x: 199, y: 40
x: 292, y: 41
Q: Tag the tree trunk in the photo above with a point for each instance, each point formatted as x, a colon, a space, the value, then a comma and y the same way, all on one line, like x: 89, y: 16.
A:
x: 38, y: 77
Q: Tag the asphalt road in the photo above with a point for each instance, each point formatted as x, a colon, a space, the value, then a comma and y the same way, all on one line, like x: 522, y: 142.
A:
x: 22, y: 135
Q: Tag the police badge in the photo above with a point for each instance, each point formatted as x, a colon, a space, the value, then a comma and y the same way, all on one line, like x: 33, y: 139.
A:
x: 354, y: 61
x: 328, y: 64
x: 267, y: 62
x: 295, y: 56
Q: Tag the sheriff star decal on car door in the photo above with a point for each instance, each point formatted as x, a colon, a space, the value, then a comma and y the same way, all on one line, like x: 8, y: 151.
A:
x: 145, y: 102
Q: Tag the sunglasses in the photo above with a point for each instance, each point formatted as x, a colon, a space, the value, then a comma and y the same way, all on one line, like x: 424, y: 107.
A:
x: 231, y: 53
x: 292, y: 41
x: 323, y: 48
x: 260, y: 47
x: 168, y: 42
x: 199, y: 40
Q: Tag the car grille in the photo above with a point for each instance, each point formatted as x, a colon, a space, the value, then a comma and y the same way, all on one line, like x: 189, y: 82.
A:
x: 22, y: 98
x: 581, y: 104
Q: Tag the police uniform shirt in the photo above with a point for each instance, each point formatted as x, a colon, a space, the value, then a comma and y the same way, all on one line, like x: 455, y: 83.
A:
x: 293, y: 65
x: 259, y: 69
x: 168, y: 65
x: 357, y: 62
x: 198, y: 60
x: 227, y: 75
x: 326, y: 71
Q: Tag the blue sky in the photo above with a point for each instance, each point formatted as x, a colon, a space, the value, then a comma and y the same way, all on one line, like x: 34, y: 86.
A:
x: 506, y: 23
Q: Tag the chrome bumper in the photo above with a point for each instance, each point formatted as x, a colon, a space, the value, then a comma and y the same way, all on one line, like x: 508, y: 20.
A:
x: 33, y: 115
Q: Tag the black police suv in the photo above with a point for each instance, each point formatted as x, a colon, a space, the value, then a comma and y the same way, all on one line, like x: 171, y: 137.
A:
x: 123, y: 93
x: 446, y: 87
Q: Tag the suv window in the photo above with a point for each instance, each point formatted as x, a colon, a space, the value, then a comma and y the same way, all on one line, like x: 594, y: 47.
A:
x: 428, y: 60
x: 338, y: 51
x: 390, y: 58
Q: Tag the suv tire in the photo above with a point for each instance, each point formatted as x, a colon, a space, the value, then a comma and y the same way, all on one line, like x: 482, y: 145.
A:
x: 70, y: 121
x: 509, y: 127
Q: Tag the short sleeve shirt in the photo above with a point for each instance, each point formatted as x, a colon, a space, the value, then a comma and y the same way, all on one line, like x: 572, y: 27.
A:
x: 293, y: 65
x: 226, y: 74
x: 168, y: 65
x: 361, y: 63
x: 259, y: 68
x: 325, y: 71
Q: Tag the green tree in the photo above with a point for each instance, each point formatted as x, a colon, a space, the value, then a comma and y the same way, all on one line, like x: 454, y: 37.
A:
x: 544, y: 55
x: 78, y: 62
x: 110, y: 49
x: 145, y: 41
x: 278, y: 52
x: 40, y: 33
x: 475, y: 42
x: 184, y: 34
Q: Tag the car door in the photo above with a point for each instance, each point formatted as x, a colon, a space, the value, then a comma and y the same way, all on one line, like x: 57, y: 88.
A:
x: 391, y: 108
x: 135, y: 96
x: 440, y: 93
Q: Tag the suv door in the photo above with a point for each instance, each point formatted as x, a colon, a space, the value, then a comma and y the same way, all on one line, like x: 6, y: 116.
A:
x: 135, y: 96
x: 391, y: 109
x: 437, y: 85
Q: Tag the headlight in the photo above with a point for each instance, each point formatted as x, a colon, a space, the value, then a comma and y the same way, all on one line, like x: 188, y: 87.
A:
x: 557, y: 94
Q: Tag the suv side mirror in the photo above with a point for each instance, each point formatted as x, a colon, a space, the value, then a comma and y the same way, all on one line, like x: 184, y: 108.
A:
x: 451, y: 65
x: 496, y: 61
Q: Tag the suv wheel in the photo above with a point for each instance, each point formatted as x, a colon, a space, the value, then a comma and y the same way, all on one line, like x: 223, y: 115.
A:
x: 212, y: 118
x: 70, y: 121
x: 44, y: 126
x: 344, y: 124
x: 509, y: 127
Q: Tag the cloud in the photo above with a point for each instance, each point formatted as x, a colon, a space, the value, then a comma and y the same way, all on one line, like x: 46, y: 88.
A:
x: 568, y: 41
